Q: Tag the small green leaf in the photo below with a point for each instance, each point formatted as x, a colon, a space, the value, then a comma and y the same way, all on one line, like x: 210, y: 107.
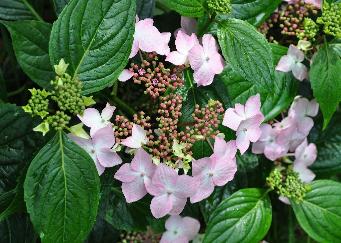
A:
x: 17, y: 10
x: 190, y: 8
x: 254, y: 11
x: 243, y: 217
x: 95, y: 38
x: 320, y: 212
x: 61, y: 191
x: 248, y: 52
x: 325, y: 81
x: 30, y: 40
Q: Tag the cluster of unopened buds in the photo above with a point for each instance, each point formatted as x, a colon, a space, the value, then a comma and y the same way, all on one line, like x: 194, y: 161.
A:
x: 291, y: 20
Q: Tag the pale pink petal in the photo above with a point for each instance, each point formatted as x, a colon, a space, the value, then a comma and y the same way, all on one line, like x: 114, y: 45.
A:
x: 163, y: 48
x: 305, y: 154
x: 85, y: 144
x: 142, y: 162
x: 242, y: 142
x: 300, y: 71
x: 296, y: 53
x: 252, y: 106
x: 232, y: 119
x: 275, y: 151
x: 176, y: 58
x: 134, y: 51
x: 125, y: 75
x: 164, y: 177
x: 285, y: 64
x: 125, y: 174
x: 201, y: 165
x: 304, y: 125
x: 203, y: 76
x: 178, y: 205
x: 137, y: 139
x: 196, y: 57
x: 131, y: 142
x: 313, y: 108
x: 171, y: 237
x: 185, y: 186
x: 253, y: 133
x: 91, y: 118
x: 108, y: 158
x: 161, y: 205
x: 191, y: 227
x: 216, y: 63
x: 224, y: 171
x: 104, y: 138
x: 209, y: 44
x: 108, y: 112
x: 99, y: 167
x: 205, y: 188
x: 134, y: 191
x: 258, y: 147
x: 284, y: 200
x: 305, y: 174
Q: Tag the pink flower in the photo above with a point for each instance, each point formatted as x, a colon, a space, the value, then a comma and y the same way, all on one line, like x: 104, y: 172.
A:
x: 136, y: 175
x: 216, y: 170
x: 300, y: 114
x: 184, y: 43
x: 305, y: 155
x: 137, y: 139
x: 206, y: 61
x: 292, y: 62
x: 99, y: 148
x: 170, y: 191
x: 125, y: 75
x: 245, y: 120
x: 149, y: 39
x: 180, y: 230
x: 272, y: 143
x: 93, y: 119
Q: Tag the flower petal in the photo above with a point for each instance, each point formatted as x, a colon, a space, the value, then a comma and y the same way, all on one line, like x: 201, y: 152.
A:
x: 104, y: 138
x: 108, y: 158
x: 125, y: 174
x: 161, y: 205
x: 125, y: 75
x: 135, y: 190
x: 204, y: 189
x: 108, y: 112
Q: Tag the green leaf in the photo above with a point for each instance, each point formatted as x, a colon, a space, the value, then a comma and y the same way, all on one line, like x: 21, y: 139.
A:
x: 95, y: 38
x: 17, y: 138
x: 273, y: 102
x: 3, y: 90
x: 320, y: 212
x: 189, y: 8
x: 243, y: 217
x: 328, y: 143
x: 30, y: 40
x: 61, y: 191
x: 325, y: 81
x: 277, y: 52
x: 145, y: 8
x: 17, y: 10
x: 254, y: 11
x: 17, y: 229
x: 59, y: 5
x: 248, y: 52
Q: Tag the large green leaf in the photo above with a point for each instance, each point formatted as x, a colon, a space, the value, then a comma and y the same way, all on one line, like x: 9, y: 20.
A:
x: 328, y: 143
x: 61, y: 191
x: 30, y: 40
x: 17, y: 10
x: 190, y: 8
x: 17, y: 138
x: 320, y: 212
x: 254, y: 11
x: 325, y: 81
x: 273, y: 102
x: 3, y: 90
x: 95, y: 38
x: 59, y: 5
x: 243, y: 217
x: 248, y: 52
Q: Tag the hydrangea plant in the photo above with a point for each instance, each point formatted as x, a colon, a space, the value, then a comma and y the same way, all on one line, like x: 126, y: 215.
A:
x: 170, y: 121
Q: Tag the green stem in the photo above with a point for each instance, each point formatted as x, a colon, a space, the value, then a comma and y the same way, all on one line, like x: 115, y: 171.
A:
x: 291, y: 228
x: 33, y: 11
x: 122, y: 105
